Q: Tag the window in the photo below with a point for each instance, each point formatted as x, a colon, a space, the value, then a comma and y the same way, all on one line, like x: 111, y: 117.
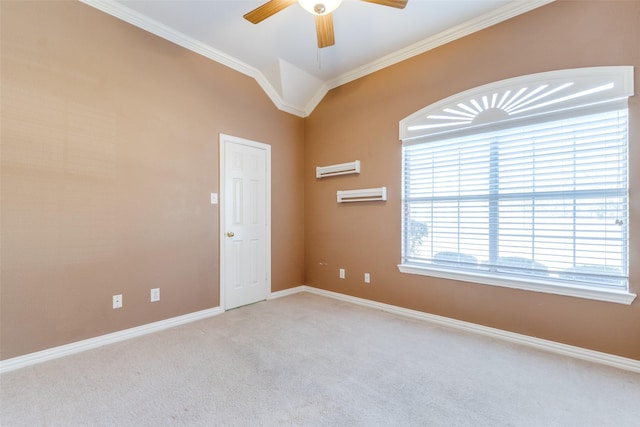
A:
x: 522, y: 183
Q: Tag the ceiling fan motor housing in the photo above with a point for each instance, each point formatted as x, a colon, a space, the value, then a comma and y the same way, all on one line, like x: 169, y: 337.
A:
x: 322, y: 7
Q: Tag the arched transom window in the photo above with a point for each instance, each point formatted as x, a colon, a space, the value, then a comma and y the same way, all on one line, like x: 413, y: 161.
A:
x: 522, y: 183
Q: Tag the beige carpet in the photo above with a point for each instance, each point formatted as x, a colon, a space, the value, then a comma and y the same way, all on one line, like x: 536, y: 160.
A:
x: 306, y: 360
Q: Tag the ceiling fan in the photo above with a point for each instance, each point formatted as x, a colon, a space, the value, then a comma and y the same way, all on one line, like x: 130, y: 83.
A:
x: 322, y: 9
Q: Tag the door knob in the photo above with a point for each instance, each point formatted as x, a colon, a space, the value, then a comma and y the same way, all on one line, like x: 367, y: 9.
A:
x: 230, y: 234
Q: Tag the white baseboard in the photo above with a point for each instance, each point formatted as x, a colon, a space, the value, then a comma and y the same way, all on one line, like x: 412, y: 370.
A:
x: 88, y: 344
x: 551, y: 346
x: 286, y: 292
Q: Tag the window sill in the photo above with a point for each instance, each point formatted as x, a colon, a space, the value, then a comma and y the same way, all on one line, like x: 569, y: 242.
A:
x: 529, y: 285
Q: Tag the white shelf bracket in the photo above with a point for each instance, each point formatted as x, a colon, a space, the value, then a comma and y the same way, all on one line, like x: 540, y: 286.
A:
x: 339, y: 169
x: 363, y: 195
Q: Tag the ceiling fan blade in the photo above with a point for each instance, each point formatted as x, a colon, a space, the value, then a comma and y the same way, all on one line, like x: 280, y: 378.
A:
x: 398, y: 4
x: 324, y: 30
x: 271, y: 7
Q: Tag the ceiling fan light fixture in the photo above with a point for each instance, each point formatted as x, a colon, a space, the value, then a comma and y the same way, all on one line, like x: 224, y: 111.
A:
x: 319, y: 7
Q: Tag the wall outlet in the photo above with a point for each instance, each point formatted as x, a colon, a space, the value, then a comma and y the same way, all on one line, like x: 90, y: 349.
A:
x: 117, y: 301
x: 342, y: 273
x: 367, y: 278
x: 155, y: 294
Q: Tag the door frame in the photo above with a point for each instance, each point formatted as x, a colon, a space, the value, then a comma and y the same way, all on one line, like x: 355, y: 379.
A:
x: 223, y: 141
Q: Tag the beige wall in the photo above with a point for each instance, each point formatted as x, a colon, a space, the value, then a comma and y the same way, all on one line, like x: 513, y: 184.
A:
x: 110, y: 150
x: 109, y: 153
x: 360, y: 121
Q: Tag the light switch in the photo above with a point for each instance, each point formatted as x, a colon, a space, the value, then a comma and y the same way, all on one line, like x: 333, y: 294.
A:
x: 214, y: 198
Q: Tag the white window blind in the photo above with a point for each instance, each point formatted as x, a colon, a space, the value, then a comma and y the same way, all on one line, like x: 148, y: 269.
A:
x: 546, y: 200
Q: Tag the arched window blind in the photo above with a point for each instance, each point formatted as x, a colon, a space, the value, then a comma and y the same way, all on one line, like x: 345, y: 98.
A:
x: 525, y: 191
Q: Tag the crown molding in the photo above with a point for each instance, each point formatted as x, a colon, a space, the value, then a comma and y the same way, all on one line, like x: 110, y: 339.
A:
x: 316, y: 98
x: 136, y: 19
x: 275, y: 97
x: 508, y: 11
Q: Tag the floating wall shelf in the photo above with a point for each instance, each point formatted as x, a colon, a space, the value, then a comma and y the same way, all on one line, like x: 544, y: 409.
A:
x: 363, y: 195
x: 340, y: 169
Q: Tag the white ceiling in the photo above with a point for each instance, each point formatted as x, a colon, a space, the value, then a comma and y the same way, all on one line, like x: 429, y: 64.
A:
x: 281, y: 51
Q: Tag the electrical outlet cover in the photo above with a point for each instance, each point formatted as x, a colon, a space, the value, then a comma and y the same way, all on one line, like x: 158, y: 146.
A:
x: 117, y: 301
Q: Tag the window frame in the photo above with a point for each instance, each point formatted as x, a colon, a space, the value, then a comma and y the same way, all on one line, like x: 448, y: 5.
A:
x: 422, y: 127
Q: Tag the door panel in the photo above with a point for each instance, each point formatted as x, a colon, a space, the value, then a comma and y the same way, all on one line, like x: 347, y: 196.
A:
x: 245, y: 228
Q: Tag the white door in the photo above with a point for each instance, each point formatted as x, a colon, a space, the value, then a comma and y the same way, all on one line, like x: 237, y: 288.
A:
x: 245, y: 248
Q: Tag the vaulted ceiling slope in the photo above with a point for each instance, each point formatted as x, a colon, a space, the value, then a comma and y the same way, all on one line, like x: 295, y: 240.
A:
x: 281, y: 53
